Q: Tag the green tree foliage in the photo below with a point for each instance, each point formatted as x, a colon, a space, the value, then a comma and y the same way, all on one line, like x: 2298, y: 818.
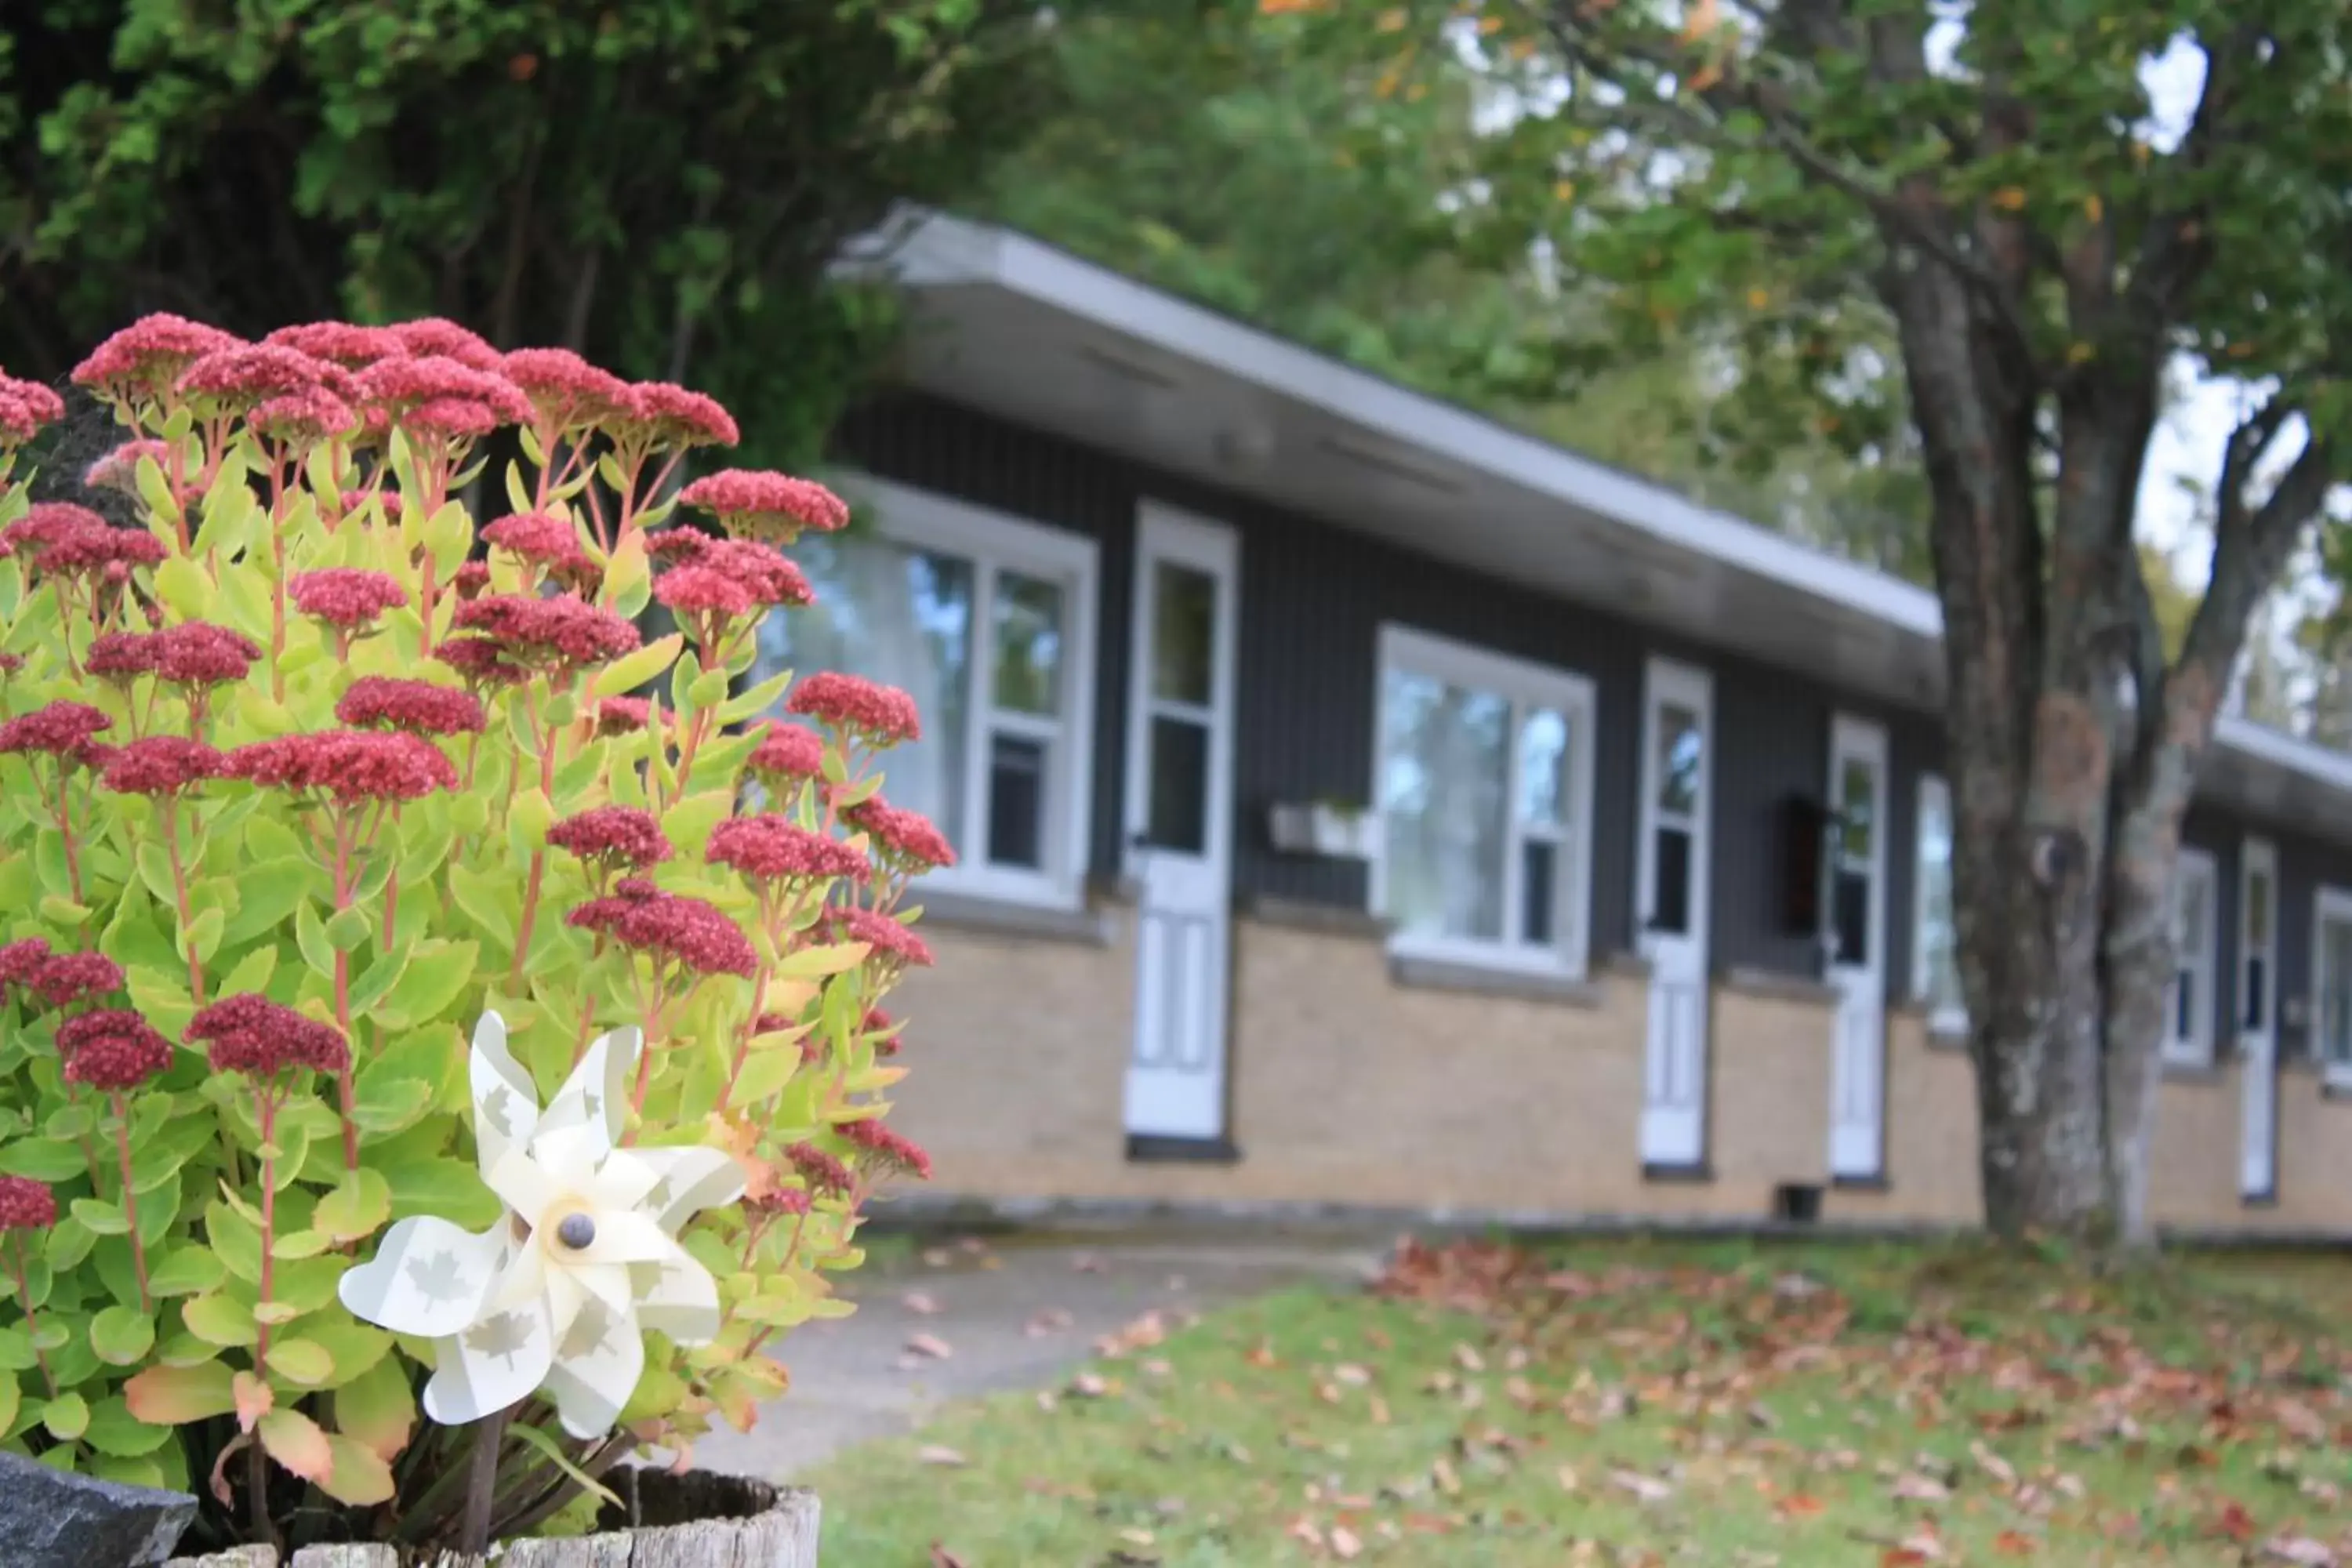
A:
x: 1332, y: 200
x: 658, y: 185
x: 1980, y: 223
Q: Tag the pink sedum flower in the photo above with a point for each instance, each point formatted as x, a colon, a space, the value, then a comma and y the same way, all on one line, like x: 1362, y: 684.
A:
x: 26, y: 1204
x: 535, y: 536
x: 881, y: 715
x: 340, y: 343
x: 304, y: 419
x: 885, y: 1149
x: 612, y: 836
x: 346, y: 597
x: 758, y: 504
x: 112, y: 1050
x: 145, y: 359
x: 62, y: 979
x: 824, y: 1174
x: 789, y: 751
x: 61, y: 729
x: 901, y: 836
x: 262, y: 1039
x: 118, y: 469
x: 419, y: 706
x: 567, y: 392
x: 24, y: 407
x: 200, y: 654
x: 769, y: 849
x: 891, y: 940
x: 161, y: 765
x: 623, y: 715
x: 562, y: 632
x: 123, y: 656
x: 670, y: 929
x: 432, y: 337
x: 251, y: 374
x: 347, y: 766
x: 670, y: 416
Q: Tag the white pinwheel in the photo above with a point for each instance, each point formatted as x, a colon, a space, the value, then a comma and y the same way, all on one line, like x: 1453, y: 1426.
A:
x: 557, y: 1294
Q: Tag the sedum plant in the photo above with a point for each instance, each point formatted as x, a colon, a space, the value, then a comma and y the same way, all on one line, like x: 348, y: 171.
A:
x: 312, y: 773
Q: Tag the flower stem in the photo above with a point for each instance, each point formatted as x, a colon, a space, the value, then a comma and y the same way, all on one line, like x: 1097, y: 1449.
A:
x: 32, y: 1324
x: 344, y: 1078
x: 129, y: 1201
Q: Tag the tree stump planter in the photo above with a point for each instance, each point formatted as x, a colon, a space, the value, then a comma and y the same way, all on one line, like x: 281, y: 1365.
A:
x: 698, y: 1520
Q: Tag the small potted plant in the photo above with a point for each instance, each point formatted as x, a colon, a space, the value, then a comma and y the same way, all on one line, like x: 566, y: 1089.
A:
x: 441, y: 1051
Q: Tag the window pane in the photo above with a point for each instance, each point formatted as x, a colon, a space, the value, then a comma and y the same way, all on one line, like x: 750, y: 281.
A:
x: 1682, y: 746
x: 1183, y: 634
x: 1544, y: 743
x: 2336, y: 989
x: 1671, y: 915
x: 1858, y: 798
x: 1179, y: 807
x: 1016, y: 801
x: 902, y: 618
x: 2257, y: 987
x: 1540, y: 871
x: 1028, y: 617
x: 1446, y: 801
x: 2184, y: 1005
x: 1852, y: 912
x: 2258, y: 909
x: 1939, y: 937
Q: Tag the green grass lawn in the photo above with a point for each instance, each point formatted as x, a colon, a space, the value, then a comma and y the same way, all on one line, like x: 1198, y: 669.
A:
x: 1729, y: 1406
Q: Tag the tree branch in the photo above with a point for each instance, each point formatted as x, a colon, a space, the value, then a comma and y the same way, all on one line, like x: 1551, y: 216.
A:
x: 2251, y: 544
x: 1906, y: 217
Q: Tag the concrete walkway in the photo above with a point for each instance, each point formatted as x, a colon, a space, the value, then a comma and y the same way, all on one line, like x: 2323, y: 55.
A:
x: 1020, y: 1312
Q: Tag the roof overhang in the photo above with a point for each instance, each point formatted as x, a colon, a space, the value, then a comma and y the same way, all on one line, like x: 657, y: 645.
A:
x: 1039, y: 336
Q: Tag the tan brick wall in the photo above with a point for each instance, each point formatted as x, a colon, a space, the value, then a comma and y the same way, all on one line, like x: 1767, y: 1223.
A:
x: 1351, y: 1088
x: 1931, y: 1135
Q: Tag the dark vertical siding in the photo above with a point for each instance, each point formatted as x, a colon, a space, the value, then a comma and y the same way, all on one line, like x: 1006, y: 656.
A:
x: 1313, y: 599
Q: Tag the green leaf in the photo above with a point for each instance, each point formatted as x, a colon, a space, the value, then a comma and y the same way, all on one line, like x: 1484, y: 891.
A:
x: 358, y: 1205
x: 218, y: 1320
x: 121, y: 1335
x: 377, y: 1408
x: 296, y: 1244
x: 186, y: 1270
x: 436, y: 974
x: 266, y: 894
x: 204, y: 932
x: 236, y: 1241
x: 65, y: 1417
x: 486, y: 898
x: 113, y: 1429
x: 354, y: 1347
x: 764, y: 1075
x: 349, y: 928
x: 384, y: 971
x: 553, y: 1452
x: 356, y: 1475
x: 381, y: 1104
x: 305, y: 1361
x: 688, y: 825
x: 16, y: 1349
x: 250, y: 974
x: 631, y: 671
x: 43, y: 1159
x: 450, y: 1188
x: 100, y: 1218
x: 311, y: 936
x: 174, y: 1396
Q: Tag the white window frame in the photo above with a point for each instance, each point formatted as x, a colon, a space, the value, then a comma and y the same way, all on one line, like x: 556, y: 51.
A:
x: 2197, y: 1050
x: 1952, y: 1020
x: 1526, y: 685
x: 2327, y: 904
x: 991, y: 541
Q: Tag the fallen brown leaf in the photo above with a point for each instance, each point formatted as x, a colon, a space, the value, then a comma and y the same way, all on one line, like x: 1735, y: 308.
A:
x: 1346, y: 1545
x: 919, y: 1303
x: 1050, y: 1320
x: 942, y: 1558
x: 1088, y: 1386
x: 1648, y: 1489
x: 1913, y: 1486
x: 930, y: 1346
x: 2301, y: 1550
x: 938, y: 1453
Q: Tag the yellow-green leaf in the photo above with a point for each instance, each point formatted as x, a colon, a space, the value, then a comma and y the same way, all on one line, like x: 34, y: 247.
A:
x: 121, y: 1335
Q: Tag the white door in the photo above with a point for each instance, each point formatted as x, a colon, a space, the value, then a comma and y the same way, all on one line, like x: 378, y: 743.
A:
x: 1856, y: 943
x: 1670, y: 904
x: 2258, y: 1016
x: 1179, y: 767
x: 2189, y: 1018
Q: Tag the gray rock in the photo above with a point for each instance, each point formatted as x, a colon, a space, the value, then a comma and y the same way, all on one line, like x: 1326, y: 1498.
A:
x: 50, y: 1518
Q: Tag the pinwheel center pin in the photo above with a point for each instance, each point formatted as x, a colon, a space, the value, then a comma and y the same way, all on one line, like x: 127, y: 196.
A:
x: 576, y: 1231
